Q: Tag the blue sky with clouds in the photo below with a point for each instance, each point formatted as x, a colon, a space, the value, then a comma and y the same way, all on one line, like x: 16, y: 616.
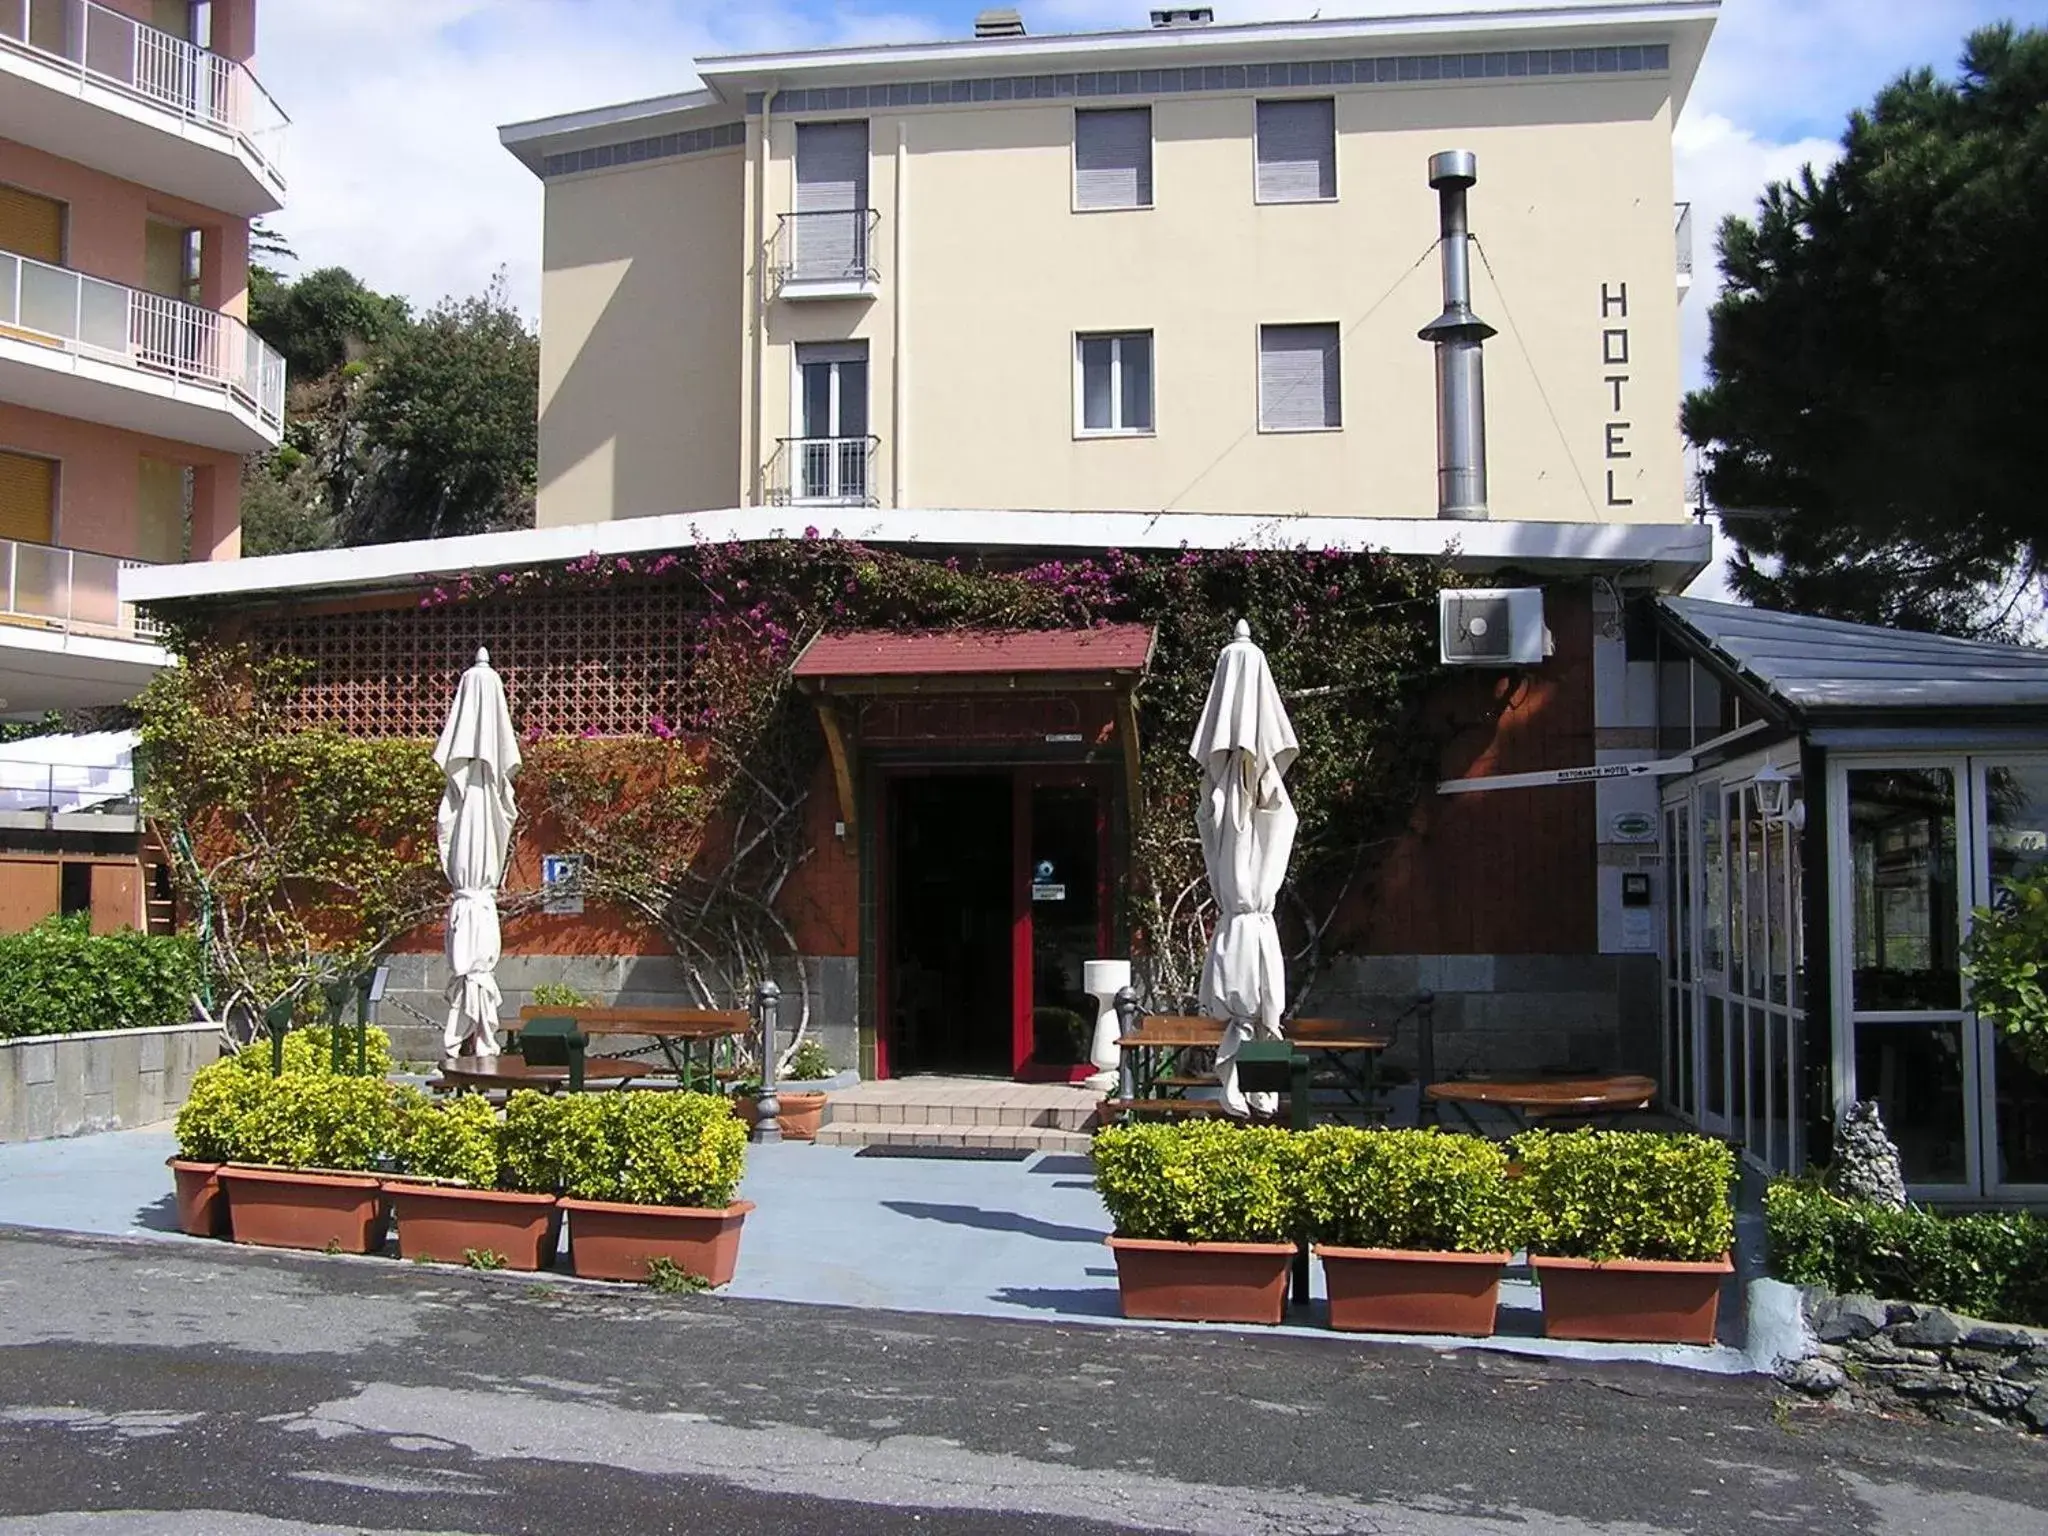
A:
x: 396, y: 171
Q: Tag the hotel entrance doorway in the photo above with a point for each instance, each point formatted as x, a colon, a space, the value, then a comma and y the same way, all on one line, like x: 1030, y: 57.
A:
x: 996, y: 890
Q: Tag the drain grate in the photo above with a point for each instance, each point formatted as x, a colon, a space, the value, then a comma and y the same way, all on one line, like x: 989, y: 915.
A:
x: 949, y: 1154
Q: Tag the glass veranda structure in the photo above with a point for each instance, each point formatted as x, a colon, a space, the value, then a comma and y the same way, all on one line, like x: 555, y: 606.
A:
x: 1854, y: 794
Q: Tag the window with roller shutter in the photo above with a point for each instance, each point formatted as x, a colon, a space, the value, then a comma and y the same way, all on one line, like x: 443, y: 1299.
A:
x: 28, y: 497
x: 831, y: 201
x: 1300, y: 378
x: 1113, y: 158
x: 31, y: 225
x: 1297, y: 151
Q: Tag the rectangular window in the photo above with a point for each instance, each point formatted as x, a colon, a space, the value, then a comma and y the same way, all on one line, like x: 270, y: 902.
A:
x: 1115, y: 386
x: 1300, y: 386
x: 28, y: 497
x: 831, y: 217
x: 32, y: 225
x: 1113, y: 158
x: 1297, y: 151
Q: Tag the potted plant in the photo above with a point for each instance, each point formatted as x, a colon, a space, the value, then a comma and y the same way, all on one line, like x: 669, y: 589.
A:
x: 208, y: 1127
x: 446, y: 1198
x: 300, y: 1158
x: 800, y: 1110
x: 1629, y: 1232
x: 1204, y: 1219
x: 647, y: 1179
x: 1413, y: 1227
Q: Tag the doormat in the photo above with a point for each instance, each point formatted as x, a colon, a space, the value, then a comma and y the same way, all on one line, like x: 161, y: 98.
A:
x: 949, y: 1154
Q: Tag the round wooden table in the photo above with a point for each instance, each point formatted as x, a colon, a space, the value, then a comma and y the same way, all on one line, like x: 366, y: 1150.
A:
x: 510, y: 1072
x: 1538, y: 1098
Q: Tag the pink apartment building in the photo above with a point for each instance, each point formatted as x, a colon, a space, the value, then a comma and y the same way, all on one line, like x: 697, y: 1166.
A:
x: 136, y: 147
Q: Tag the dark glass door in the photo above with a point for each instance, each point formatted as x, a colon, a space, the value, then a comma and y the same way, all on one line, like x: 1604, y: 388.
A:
x: 1062, y: 922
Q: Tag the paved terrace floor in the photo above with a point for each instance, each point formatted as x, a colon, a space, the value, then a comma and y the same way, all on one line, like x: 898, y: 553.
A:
x: 975, y: 1238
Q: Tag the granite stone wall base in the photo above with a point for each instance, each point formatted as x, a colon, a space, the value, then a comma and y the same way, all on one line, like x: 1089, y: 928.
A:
x: 1504, y: 1013
x: 414, y: 1007
x: 106, y: 1080
x: 1901, y: 1357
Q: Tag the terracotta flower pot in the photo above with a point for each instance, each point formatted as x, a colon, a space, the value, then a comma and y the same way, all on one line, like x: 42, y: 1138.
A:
x: 1202, y: 1282
x: 285, y: 1208
x: 202, y: 1203
x: 608, y: 1241
x: 1399, y: 1290
x: 800, y: 1113
x: 447, y: 1223
x: 1645, y: 1301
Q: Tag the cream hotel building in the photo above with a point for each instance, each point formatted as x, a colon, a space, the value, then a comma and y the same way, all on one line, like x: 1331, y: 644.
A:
x: 1177, y: 269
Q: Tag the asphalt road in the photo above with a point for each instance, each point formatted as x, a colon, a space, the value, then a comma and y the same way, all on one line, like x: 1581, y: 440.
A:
x: 234, y: 1392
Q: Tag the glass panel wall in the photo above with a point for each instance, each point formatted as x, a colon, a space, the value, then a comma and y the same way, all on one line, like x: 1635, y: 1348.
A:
x: 2014, y: 800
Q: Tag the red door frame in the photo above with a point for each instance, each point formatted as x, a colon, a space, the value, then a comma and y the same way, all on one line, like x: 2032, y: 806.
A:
x: 1024, y: 777
x: 1023, y: 1036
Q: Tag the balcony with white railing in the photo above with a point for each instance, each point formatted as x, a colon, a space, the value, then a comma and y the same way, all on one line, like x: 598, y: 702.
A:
x: 823, y: 472
x: 90, y: 84
x: 1681, y: 234
x: 80, y: 346
x: 828, y: 255
x: 67, y: 641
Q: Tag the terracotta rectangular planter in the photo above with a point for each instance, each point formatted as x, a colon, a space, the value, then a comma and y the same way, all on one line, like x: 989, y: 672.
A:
x: 202, y: 1203
x: 799, y: 1114
x: 1635, y: 1301
x: 608, y: 1241
x: 1400, y: 1290
x: 1202, y: 1282
x: 446, y: 1223
x: 285, y: 1208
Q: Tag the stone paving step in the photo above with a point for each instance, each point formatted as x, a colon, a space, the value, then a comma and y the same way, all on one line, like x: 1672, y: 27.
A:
x: 931, y: 1133
x: 965, y: 1103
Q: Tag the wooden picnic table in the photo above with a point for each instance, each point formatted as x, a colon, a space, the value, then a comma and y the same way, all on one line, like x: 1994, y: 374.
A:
x: 1528, y: 1100
x: 676, y: 1030
x: 1152, y: 1085
x: 509, y: 1072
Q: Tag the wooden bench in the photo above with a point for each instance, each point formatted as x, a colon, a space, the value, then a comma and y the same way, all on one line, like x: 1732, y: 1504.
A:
x: 675, y: 1030
x: 1528, y: 1100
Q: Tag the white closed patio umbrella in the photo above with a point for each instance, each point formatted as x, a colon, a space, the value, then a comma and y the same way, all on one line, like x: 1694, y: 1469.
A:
x: 1245, y: 745
x: 478, y: 753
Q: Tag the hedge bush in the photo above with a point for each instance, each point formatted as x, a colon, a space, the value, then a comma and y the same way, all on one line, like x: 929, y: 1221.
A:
x: 298, y: 1120
x: 60, y: 978
x: 1206, y: 1182
x: 455, y: 1138
x: 1990, y: 1264
x: 1420, y: 1190
x: 1626, y: 1195
x: 677, y: 1149
x: 310, y: 1051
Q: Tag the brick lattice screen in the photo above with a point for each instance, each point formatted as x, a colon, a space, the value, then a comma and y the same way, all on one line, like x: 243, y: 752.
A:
x: 607, y: 660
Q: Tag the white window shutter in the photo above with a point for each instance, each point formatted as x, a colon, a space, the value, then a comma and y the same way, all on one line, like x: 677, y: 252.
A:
x: 1297, y: 151
x: 1299, y: 378
x: 1113, y: 158
x: 831, y: 199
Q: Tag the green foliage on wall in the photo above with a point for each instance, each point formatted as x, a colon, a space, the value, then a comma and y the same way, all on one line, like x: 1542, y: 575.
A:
x: 60, y: 978
x: 2005, y: 958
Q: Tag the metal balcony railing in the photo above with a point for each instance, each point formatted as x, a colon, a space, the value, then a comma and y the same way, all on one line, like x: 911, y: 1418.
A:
x: 824, y: 471
x: 69, y: 589
x: 111, y: 49
x: 56, y: 307
x: 1681, y: 230
x: 41, y: 791
x: 831, y: 247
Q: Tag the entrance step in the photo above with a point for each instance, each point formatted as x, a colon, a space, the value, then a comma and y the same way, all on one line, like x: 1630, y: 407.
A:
x: 962, y: 1112
x: 926, y: 1133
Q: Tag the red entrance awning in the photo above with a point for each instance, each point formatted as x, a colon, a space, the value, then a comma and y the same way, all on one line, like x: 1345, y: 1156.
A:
x: 877, y: 653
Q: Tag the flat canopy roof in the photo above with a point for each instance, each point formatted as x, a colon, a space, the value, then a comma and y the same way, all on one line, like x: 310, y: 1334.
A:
x: 976, y: 652
x: 1813, y: 664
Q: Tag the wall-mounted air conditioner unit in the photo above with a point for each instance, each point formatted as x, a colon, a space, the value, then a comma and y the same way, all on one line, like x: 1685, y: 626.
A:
x: 1492, y: 627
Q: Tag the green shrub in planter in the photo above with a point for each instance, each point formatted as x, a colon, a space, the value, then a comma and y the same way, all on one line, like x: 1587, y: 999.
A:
x: 454, y: 1138
x: 210, y: 1123
x: 1990, y: 1264
x: 311, y: 1051
x: 60, y: 978
x: 555, y: 994
x: 1204, y: 1182
x: 673, y: 1149
x: 808, y: 1063
x: 314, y: 1120
x: 1424, y: 1191
x: 1626, y: 1195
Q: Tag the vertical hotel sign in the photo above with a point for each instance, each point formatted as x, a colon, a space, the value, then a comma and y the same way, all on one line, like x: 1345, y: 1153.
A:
x: 1614, y: 360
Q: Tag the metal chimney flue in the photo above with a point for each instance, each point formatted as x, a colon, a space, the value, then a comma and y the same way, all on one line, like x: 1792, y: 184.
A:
x: 1459, y: 337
